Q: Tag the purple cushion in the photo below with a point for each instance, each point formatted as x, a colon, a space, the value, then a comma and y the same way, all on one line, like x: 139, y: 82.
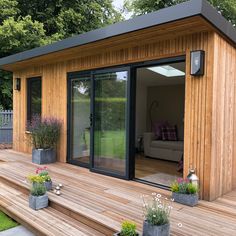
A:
x: 157, y: 129
x: 169, y: 133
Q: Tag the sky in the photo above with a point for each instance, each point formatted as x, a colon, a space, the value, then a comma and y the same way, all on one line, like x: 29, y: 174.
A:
x: 119, y: 5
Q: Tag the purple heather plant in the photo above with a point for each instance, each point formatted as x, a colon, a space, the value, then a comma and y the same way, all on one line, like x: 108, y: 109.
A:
x: 45, y: 132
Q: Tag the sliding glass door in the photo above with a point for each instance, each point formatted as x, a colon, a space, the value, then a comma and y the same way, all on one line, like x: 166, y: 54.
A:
x: 98, y: 121
x: 80, y: 90
x: 109, y: 132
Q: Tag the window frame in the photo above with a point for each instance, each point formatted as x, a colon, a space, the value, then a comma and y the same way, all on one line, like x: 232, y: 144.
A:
x: 29, y: 96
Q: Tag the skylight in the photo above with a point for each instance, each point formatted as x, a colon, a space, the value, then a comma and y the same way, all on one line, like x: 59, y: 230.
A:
x: 167, y: 71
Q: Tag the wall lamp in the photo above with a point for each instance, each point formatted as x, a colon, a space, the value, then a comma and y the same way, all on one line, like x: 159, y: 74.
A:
x: 17, y: 84
x: 197, y: 63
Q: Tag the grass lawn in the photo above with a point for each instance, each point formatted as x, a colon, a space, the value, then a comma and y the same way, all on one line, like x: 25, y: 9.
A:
x: 109, y: 144
x: 6, y: 222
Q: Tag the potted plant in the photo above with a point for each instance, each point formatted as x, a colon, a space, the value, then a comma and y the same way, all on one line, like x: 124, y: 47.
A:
x: 44, y: 137
x: 128, y: 228
x: 38, y: 197
x: 156, y: 213
x: 185, y: 192
x: 42, y: 177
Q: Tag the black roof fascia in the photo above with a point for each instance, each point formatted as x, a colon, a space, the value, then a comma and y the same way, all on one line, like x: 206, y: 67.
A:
x: 170, y: 14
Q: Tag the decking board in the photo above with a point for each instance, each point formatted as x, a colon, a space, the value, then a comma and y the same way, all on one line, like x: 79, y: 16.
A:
x: 94, y: 200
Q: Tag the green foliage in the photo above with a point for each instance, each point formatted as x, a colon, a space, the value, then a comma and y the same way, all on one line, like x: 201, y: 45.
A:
x: 21, y: 34
x: 38, y: 189
x: 69, y: 17
x: 26, y: 24
x: 139, y: 7
x: 6, y: 90
x: 184, y: 186
x: 36, y: 179
x: 9, y: 8
x: 6, y: 222
x: 157, y: 209
x: 128, y: 229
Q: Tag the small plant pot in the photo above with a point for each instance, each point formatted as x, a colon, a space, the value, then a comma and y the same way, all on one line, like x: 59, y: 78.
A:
x: 157, y: 230
x: 38, y: 202
x: 43, y: 156
x: 48, y: 185
x: 186, y: 199
x: 119, y: 233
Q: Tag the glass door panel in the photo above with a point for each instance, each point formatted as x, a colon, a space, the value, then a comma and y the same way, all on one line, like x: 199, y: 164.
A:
x: 80, y: 120
x: 110, y: 105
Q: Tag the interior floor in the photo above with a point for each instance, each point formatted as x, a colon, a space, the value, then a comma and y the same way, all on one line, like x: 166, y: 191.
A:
x: 155, y: 170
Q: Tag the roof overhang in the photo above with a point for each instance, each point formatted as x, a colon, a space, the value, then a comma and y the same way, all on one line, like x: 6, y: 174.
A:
x: 175, y: 13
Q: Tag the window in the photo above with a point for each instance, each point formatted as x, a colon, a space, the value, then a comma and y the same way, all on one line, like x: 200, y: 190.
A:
x: 34, y: 97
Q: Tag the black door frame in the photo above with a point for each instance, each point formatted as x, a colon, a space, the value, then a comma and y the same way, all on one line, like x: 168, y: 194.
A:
x: 91, y: 74
x: 130, y: 112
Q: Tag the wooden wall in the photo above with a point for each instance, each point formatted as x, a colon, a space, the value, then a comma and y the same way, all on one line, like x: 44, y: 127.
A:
x: 223, y: 158
x: 198, y: 149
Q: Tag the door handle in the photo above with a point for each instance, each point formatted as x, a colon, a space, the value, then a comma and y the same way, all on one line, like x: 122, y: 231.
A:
x: 91, y: 120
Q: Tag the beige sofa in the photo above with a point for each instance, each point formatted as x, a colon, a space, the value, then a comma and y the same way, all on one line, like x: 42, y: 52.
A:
x: 164, y: 150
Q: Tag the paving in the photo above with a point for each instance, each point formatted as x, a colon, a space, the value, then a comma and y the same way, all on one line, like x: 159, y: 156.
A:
x: 17, y: 231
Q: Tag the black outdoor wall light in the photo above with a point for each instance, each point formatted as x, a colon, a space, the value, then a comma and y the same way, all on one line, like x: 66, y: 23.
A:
x: 197, y: 63
x: 17, y: 84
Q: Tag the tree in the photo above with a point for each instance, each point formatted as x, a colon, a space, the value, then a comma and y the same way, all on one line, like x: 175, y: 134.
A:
x: 226, y: 7
x: 68, y: 17
x: 26, y: 24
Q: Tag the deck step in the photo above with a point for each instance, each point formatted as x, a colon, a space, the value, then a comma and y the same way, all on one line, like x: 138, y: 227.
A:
x: 47, y: 221
x: 85, y: 216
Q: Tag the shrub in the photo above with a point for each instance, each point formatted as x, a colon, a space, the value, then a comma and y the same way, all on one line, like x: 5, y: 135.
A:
x: 184, y: 186
x: 43, y: 172
x: 36, y: 179
x: 44, y: 132
x: 128, y: 229
x: 38, y: 189
x: 41, y: 176
x: 157, y: 209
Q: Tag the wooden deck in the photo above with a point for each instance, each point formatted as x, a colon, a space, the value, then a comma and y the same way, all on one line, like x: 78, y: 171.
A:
x: 93, y: 204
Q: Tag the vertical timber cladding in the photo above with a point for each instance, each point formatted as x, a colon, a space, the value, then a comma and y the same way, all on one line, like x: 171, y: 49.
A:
x: 198, y: 94
x: 223, y: 161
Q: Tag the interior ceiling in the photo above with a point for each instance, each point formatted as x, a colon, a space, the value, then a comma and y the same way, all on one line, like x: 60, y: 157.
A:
x: 149, y: 78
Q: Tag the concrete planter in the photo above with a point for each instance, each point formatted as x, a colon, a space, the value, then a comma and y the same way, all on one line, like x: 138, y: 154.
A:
x: 38, y: 202
x: 155, y: 230
x: 48, y: 185
x: 186, y: 199
x: 43, y: 156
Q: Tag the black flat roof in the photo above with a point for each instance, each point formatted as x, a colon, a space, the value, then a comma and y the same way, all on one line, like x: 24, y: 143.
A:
x: 170, y: 14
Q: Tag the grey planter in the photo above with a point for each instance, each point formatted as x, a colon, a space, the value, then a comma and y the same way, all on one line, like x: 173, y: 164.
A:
x: 118, y: 234
x: 155, y: 230
x: 186, y: 199
x: 43, y: 156
x: 38, y: 202
x: 48, y: 185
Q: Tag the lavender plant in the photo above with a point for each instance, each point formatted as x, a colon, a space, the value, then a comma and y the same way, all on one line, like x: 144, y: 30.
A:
x: 44, y: 132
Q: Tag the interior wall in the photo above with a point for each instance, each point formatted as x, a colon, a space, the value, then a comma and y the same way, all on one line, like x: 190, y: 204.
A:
x: 170, y: 106
x: 141, y: 110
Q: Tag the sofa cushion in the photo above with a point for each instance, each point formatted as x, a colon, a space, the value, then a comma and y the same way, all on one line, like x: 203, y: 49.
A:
x: 169, y: 133
x: 157, y: 129
x: 174, y: 145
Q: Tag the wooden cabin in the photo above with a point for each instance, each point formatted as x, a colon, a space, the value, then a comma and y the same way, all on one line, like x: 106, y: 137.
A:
x: 145, y: 99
